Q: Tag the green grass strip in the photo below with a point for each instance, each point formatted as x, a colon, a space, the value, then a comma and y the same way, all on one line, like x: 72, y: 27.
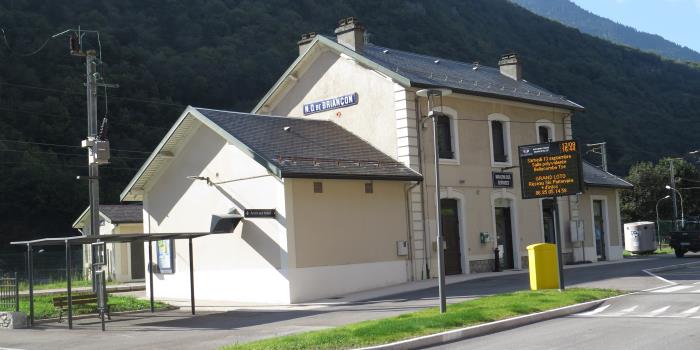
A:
x: 43, y: 306
x: 430, y: 321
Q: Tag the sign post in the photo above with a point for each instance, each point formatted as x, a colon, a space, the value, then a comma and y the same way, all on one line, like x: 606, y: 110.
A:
x: 551, y: 170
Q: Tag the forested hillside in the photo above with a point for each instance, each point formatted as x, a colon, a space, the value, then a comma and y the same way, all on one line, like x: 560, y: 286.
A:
x: 572, y: 15
x: 226, y: 54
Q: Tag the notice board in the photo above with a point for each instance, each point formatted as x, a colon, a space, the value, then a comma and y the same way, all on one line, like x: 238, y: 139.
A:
x: 550, y: 169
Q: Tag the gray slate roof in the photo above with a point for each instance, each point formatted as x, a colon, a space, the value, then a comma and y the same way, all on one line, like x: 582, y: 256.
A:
x: 123, y: 214
x: 423, y: 71
x: 596, y: 177
x: 310, y: 148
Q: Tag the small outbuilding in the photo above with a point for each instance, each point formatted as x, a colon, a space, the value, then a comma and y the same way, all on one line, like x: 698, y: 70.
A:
x: 125, y: 261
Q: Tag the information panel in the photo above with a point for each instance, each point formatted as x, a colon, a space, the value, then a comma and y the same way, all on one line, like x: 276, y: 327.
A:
x: 550, y: 169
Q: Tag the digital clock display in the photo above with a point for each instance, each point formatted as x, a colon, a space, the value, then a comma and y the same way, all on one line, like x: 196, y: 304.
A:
x: 550, y: 169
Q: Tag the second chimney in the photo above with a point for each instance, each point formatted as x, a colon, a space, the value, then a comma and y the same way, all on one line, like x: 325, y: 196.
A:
x: 350, y: 33
x: 305, y: 42
x: 509, y: 65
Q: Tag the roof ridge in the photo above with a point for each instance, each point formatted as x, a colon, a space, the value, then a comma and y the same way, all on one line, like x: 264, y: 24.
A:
x: 264, y: 115
x: 465, y: 63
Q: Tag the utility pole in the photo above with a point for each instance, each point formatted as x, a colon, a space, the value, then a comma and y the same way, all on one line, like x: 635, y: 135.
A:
x: 432, y: 95
x: 602, y: 151
x: 672, y: 170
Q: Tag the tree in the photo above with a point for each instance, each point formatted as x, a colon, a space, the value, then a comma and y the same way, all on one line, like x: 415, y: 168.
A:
x: 649, y: 180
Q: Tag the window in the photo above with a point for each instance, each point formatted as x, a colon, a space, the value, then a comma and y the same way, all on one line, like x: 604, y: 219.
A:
x: 444, y: 131
x: 499, y: 132
x: 318, y: 187
x: 369, y: 187
x: 499, y: 141
x: 545, y: 131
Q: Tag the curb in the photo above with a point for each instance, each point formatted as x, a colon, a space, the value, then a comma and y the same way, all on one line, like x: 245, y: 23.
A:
x: 672, y: 267
x: 487, y: 328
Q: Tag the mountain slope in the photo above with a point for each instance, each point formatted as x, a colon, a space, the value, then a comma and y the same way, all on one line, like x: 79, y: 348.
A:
x: 226, y: 54
x: 570, y: 14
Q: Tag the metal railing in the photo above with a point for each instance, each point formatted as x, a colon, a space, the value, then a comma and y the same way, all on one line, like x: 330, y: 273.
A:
x: 9, y: 293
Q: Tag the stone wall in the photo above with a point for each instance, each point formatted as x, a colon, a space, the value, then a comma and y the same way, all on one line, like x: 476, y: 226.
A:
x: 13, y: 320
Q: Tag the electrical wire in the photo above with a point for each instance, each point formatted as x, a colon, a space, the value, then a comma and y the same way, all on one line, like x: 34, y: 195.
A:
x: 64, y: 154
x: 69, y: 146
x: 65, y: 165
x: 76, y: 93
x: 76, y: 117
x: 7, y: 44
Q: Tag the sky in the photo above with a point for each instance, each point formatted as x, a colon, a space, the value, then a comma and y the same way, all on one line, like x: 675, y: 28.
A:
x: 675, y: 20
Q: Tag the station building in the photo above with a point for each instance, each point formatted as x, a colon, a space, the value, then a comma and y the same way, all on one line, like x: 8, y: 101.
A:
x: 340, y: 149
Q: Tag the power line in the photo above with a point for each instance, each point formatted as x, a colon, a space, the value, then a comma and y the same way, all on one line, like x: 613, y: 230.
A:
x: 63, y: 165
x: 69, y: 146
x: 24, y: 86
x: 63, y: 154
x: 20, y: 54
x: 72, y: 116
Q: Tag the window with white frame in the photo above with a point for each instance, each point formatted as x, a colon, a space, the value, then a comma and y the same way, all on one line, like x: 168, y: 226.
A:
x: 499, y: 127
x: 545, y: 131
x: 444, y: 132
x: 448, y: 136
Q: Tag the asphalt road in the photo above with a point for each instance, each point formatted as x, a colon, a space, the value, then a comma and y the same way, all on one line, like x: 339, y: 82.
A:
x: 666, y: 317
x: 210, y: 330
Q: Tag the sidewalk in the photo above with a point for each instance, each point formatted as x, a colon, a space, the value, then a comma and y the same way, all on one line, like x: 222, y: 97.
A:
x: 228, y: 323
x: 408, y: 287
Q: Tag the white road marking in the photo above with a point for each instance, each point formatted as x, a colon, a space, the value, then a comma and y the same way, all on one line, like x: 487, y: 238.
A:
x: 690, y: 311
x: 596, y: 311
x: 658, y: 311
x: 672, y: 289
x: 630, y: 309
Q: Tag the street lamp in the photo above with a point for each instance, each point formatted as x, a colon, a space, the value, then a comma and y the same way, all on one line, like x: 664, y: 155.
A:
x: 658, y: 227
x: 433, y: 95
x: 679, y: 195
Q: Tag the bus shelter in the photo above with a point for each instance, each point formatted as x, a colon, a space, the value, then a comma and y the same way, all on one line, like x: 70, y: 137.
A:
x: 69, y: 242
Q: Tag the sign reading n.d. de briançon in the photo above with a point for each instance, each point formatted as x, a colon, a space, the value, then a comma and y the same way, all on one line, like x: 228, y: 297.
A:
x: 331, y: 103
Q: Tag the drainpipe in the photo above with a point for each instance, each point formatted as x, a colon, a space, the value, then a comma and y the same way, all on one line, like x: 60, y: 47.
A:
x: 426, y: 243
x: 409, y: 222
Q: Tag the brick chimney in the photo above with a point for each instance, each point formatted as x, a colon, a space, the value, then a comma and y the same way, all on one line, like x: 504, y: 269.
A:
x: 350, y: 33
x: 305, y: 42
x: 509, y: 65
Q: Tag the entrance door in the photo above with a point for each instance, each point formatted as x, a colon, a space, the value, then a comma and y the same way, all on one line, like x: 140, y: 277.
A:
x: 450, y: 231
x: 137, y: 263
x: 548, y: 220
x: 599, y: 228
x: 504, y: 236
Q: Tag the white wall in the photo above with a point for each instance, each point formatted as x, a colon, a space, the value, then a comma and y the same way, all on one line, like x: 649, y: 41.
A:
x: 248, y: 265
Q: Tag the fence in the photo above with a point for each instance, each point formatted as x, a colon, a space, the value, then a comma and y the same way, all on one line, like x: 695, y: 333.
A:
x: 9, y: 293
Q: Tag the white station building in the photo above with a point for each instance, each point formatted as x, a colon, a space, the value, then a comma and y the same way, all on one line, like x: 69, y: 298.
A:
x: 333, y: 172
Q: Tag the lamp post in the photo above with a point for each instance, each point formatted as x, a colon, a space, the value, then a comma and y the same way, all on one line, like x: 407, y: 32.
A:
x: 658, y: 227
x: 433, y: 95
x: 681, y: 197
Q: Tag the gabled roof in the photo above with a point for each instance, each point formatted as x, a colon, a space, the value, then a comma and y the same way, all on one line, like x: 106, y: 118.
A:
x: 421, y: 71
x: 596, y: 177
x: 468, y: 78
x: 115, y: 213
x: 287, y: 147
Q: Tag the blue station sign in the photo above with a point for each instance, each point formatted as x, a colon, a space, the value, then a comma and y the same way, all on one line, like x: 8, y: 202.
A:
x: 331, y: 103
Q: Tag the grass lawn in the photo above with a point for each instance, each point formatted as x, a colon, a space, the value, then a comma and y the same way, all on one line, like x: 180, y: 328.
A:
x: 61, y: 284
x: 661, y: 250
x: 43, y: 305
x: 430, y: 321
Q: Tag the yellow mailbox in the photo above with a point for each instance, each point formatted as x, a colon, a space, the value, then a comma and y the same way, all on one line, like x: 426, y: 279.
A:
x: 543, y: 266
